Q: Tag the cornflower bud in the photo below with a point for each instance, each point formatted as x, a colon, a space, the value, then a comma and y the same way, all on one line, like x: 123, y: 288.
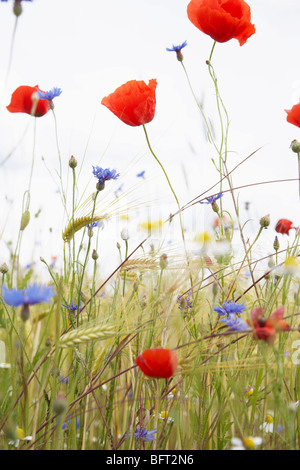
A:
x: 276, y: 245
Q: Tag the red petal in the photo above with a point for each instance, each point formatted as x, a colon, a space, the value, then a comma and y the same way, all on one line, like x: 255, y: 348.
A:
x: 21, y: 102
x: 133, y: 102
x: 255, y: 315
x: 158, y: 362
x: 293, y: 115
x: 284, y: 226
x: 222, y: 20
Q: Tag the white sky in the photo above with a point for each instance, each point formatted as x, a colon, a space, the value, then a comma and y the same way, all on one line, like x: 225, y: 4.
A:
x: 88, y: 48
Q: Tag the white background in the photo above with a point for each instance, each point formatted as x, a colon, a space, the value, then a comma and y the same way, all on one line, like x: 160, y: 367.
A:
x: 88, y: 48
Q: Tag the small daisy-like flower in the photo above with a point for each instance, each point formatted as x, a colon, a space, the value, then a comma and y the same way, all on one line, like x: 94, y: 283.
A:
x: 20, y: 436
x: 249, y: 443
x: 164, y: 415
x: 177, y: 49
x: 5, y: 365
x: 49, y: 95
x: 142, y: 433
x: 268, y: 424
x: 104, y: 175
x: 229, y: 307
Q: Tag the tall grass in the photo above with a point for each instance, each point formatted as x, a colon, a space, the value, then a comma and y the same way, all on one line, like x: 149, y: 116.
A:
x: 68, y: 373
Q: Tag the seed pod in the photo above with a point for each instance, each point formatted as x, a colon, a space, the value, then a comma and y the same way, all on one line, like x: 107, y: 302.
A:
x: 25, y: 220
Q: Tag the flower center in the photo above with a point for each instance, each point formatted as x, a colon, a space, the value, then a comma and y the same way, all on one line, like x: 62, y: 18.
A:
x: 248, y: 443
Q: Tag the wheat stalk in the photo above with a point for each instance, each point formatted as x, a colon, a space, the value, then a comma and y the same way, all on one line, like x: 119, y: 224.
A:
x: 77, y: 224
x: 139, y: 263
x: 83, y: 335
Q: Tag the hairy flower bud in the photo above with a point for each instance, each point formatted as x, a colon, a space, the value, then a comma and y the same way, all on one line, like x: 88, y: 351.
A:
x: 124, y: 234
x: 59, y: 404
x: 295, y: 146
x: 72, y: 162
x: 3, y: 268
x: 265, y: 221
x: 163, y: 261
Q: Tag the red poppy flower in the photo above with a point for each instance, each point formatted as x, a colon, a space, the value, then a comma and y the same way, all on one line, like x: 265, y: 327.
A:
x: 158, y: 363
x: 222, y: 20
x: 266, y: 328
x: 133, y: 103
x: 293, y: 115
x: 25, y: 100
x: 284, y: 226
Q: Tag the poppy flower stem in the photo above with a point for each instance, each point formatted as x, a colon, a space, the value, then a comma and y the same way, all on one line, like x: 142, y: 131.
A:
x: 171, y: 187
x: 59, y: 159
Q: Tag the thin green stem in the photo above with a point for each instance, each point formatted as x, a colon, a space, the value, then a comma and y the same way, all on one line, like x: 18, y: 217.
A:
x: 173, y: 192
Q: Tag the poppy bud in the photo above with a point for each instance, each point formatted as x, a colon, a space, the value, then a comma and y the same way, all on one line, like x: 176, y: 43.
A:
x: 95, y: 255
x: 158, y: 362
x: 124, y: 234
x: 72, y: 162
x: 60, y: 404
x: 3, y: 268
x: 265, y: 221
x: 163, y: 261
x: 295, y: 146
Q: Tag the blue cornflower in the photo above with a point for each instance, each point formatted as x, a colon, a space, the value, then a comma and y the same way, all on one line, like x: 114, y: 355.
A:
x: 177, y: 49
x: 104, y: 175
x: 212, y: 199
x: 33, y: 294
x: 142, y: 433
x: 66, y: 425
x: 141, y: 174
x: 229, y: 307
x: 72, y: 307
x: 235, y: 323
x: 94, y: 224
x: 184, y: 302
x: 49, y: 95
